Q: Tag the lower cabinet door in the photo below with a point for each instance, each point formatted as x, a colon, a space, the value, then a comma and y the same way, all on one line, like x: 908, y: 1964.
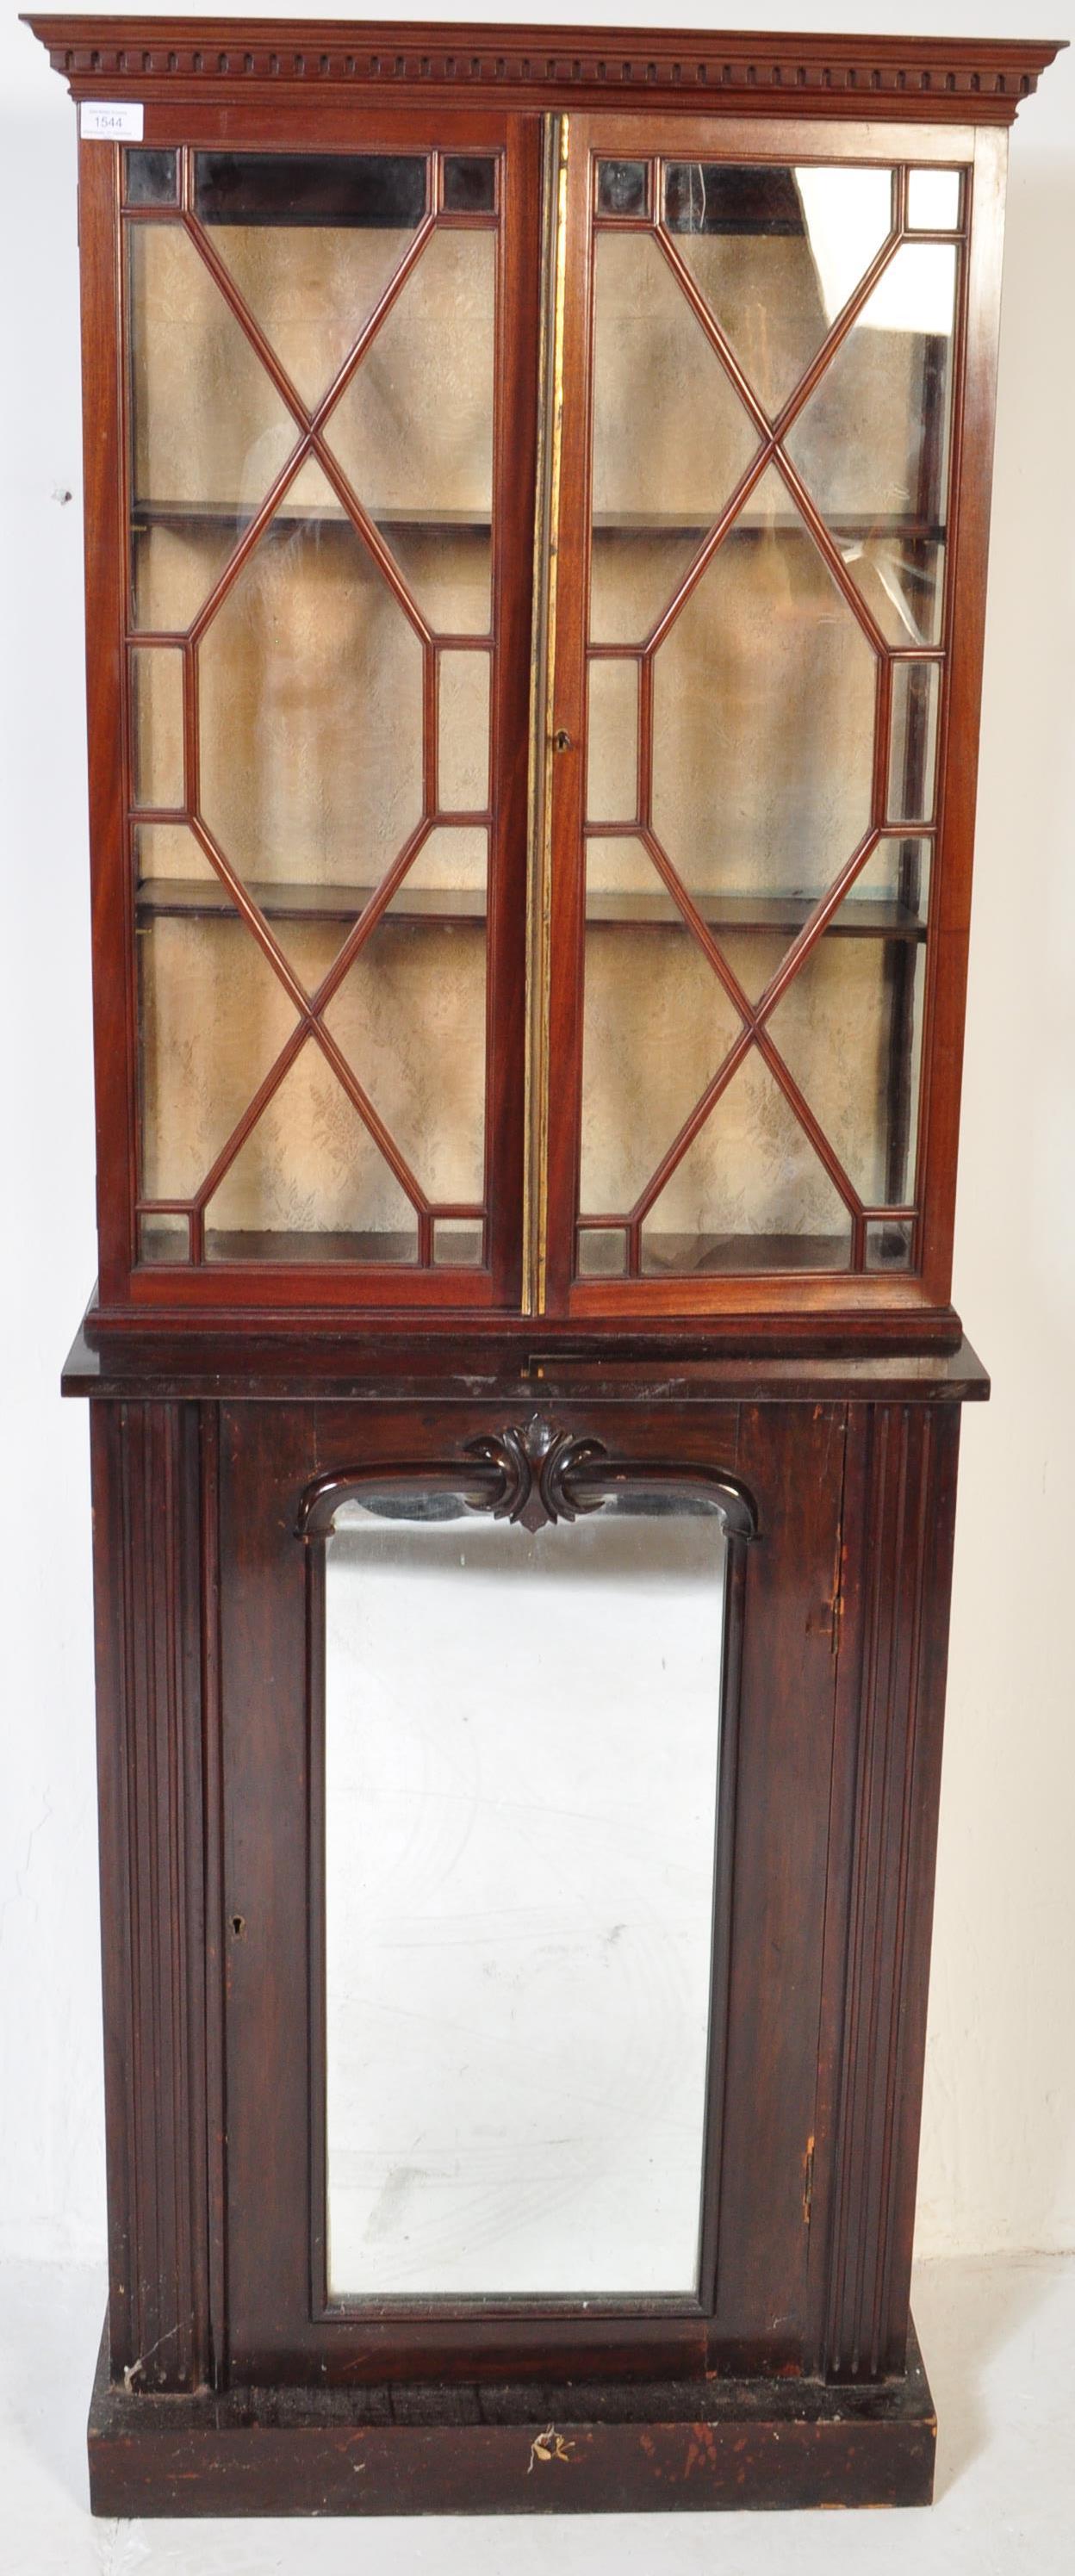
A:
x: 527, y: 1734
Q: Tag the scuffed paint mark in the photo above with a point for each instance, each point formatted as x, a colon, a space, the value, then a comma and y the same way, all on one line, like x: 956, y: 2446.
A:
x: 135, y: 2370
x: 549, y: 2445
x: 701, y: 2451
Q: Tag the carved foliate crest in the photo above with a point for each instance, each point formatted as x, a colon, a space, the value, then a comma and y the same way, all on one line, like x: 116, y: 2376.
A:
x: 538, y: 1466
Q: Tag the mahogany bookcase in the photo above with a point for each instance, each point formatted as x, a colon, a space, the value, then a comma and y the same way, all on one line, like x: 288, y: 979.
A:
x: 537, y: 494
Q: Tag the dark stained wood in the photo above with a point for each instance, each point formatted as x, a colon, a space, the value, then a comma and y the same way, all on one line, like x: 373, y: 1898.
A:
x: 495, y: 1282
x: 527, y: 1471
x: 794, y: 1460
x: 547, y: 66
x: 609, y: 133
x: 147, y: 1494
x: 700, y: 2447
x: 105, y: 553
x: 899, y: 1528
x: 518, y: 333
x: 233, y: 1401
x: 532, y: 1361
x: 189, y: 899
x: 266, y: 86
x: 827, y: 1820
x: 826, y: 1854
x: 968, y: 554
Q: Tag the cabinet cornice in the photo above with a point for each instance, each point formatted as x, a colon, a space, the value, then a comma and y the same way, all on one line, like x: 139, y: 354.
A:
x: 932, y: 77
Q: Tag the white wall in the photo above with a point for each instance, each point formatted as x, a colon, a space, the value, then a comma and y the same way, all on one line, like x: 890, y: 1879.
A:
x: 999, y: 2148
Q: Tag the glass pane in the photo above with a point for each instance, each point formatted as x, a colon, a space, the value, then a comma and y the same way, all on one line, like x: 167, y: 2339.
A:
x: 916, y: 692
x: 320, y: 188
x: 519, y: 1934
x: 670, y: 435
x: 776, y: 253
x: 312, y: 242
x: 447, y: 569
x: 458, y: 1241
x: 622, y: 187
x: 888, y: 1245
x: 901, y: 580
x: 152, y: 178
x: 309, y: 685
x: 872, y: 442
x: 602, y: 1252
x: 890, y: 895
x: 763, y: 715
x: 448, y: 881
x: 849, y: 1027
x: 409, y: 1020
x: 612, y: 743
x: 172, y: 873
x: 463, y: 733
x: 209, y: 428
x: 414, y: 429
x: 157, y: 763
x: 634, y: 575
x: 873, y: 435
x: 933, y: 200
x: 759, y: 784
x: 755, y: 933
x: 213, y: 1017
x: 309, y: 1183
x: 163, y: 1238
x: 209, y: 432
x: 750, y: 1192
x: 178, y: 553
x: 310, y: 718
x: 618, y: 867
x: 657, y: 1025
x: 469, y: 185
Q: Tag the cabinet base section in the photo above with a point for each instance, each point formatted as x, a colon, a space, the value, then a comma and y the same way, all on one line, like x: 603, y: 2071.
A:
x: 609, y: 2448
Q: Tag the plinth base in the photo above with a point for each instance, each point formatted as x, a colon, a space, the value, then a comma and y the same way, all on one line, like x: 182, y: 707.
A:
x: 612, y: 2447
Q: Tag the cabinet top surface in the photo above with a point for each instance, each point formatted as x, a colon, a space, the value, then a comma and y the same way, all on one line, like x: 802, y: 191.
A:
x: 936, y: 76
x: 531, y: 1363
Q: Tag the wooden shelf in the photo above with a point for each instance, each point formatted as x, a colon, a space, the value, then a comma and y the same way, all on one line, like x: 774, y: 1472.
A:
x: 298, y: 514
x: 679, y: 1255
x: 398, y: 1251
x: 606, y: 523
x: 192, y: 899
x: 671, y: 1255
x: 685, y: 523
x: 864, y: 919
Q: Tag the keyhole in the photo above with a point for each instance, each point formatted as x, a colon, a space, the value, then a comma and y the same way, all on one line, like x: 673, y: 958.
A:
x: 238, y: 1925
x: 561, y: 740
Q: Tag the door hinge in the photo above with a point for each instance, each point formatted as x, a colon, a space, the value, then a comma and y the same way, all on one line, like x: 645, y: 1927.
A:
x: 808, y: 2182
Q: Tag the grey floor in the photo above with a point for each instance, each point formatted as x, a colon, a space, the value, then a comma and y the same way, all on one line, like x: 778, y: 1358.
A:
x: 999, y: 2340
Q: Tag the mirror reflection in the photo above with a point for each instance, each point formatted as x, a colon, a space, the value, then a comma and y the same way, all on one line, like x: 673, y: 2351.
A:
x: 521, y: 1747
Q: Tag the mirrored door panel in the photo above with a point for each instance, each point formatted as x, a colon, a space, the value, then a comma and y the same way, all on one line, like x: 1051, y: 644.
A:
x: 773, y: 356
x: 522, y: 1737
x: 525, y: 1852
x: 316, y: 423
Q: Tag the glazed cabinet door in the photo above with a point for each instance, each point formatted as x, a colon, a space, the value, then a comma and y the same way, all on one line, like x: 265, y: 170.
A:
x: 528, y: 1730
x: 327, y: 408
x: 761, y: 345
